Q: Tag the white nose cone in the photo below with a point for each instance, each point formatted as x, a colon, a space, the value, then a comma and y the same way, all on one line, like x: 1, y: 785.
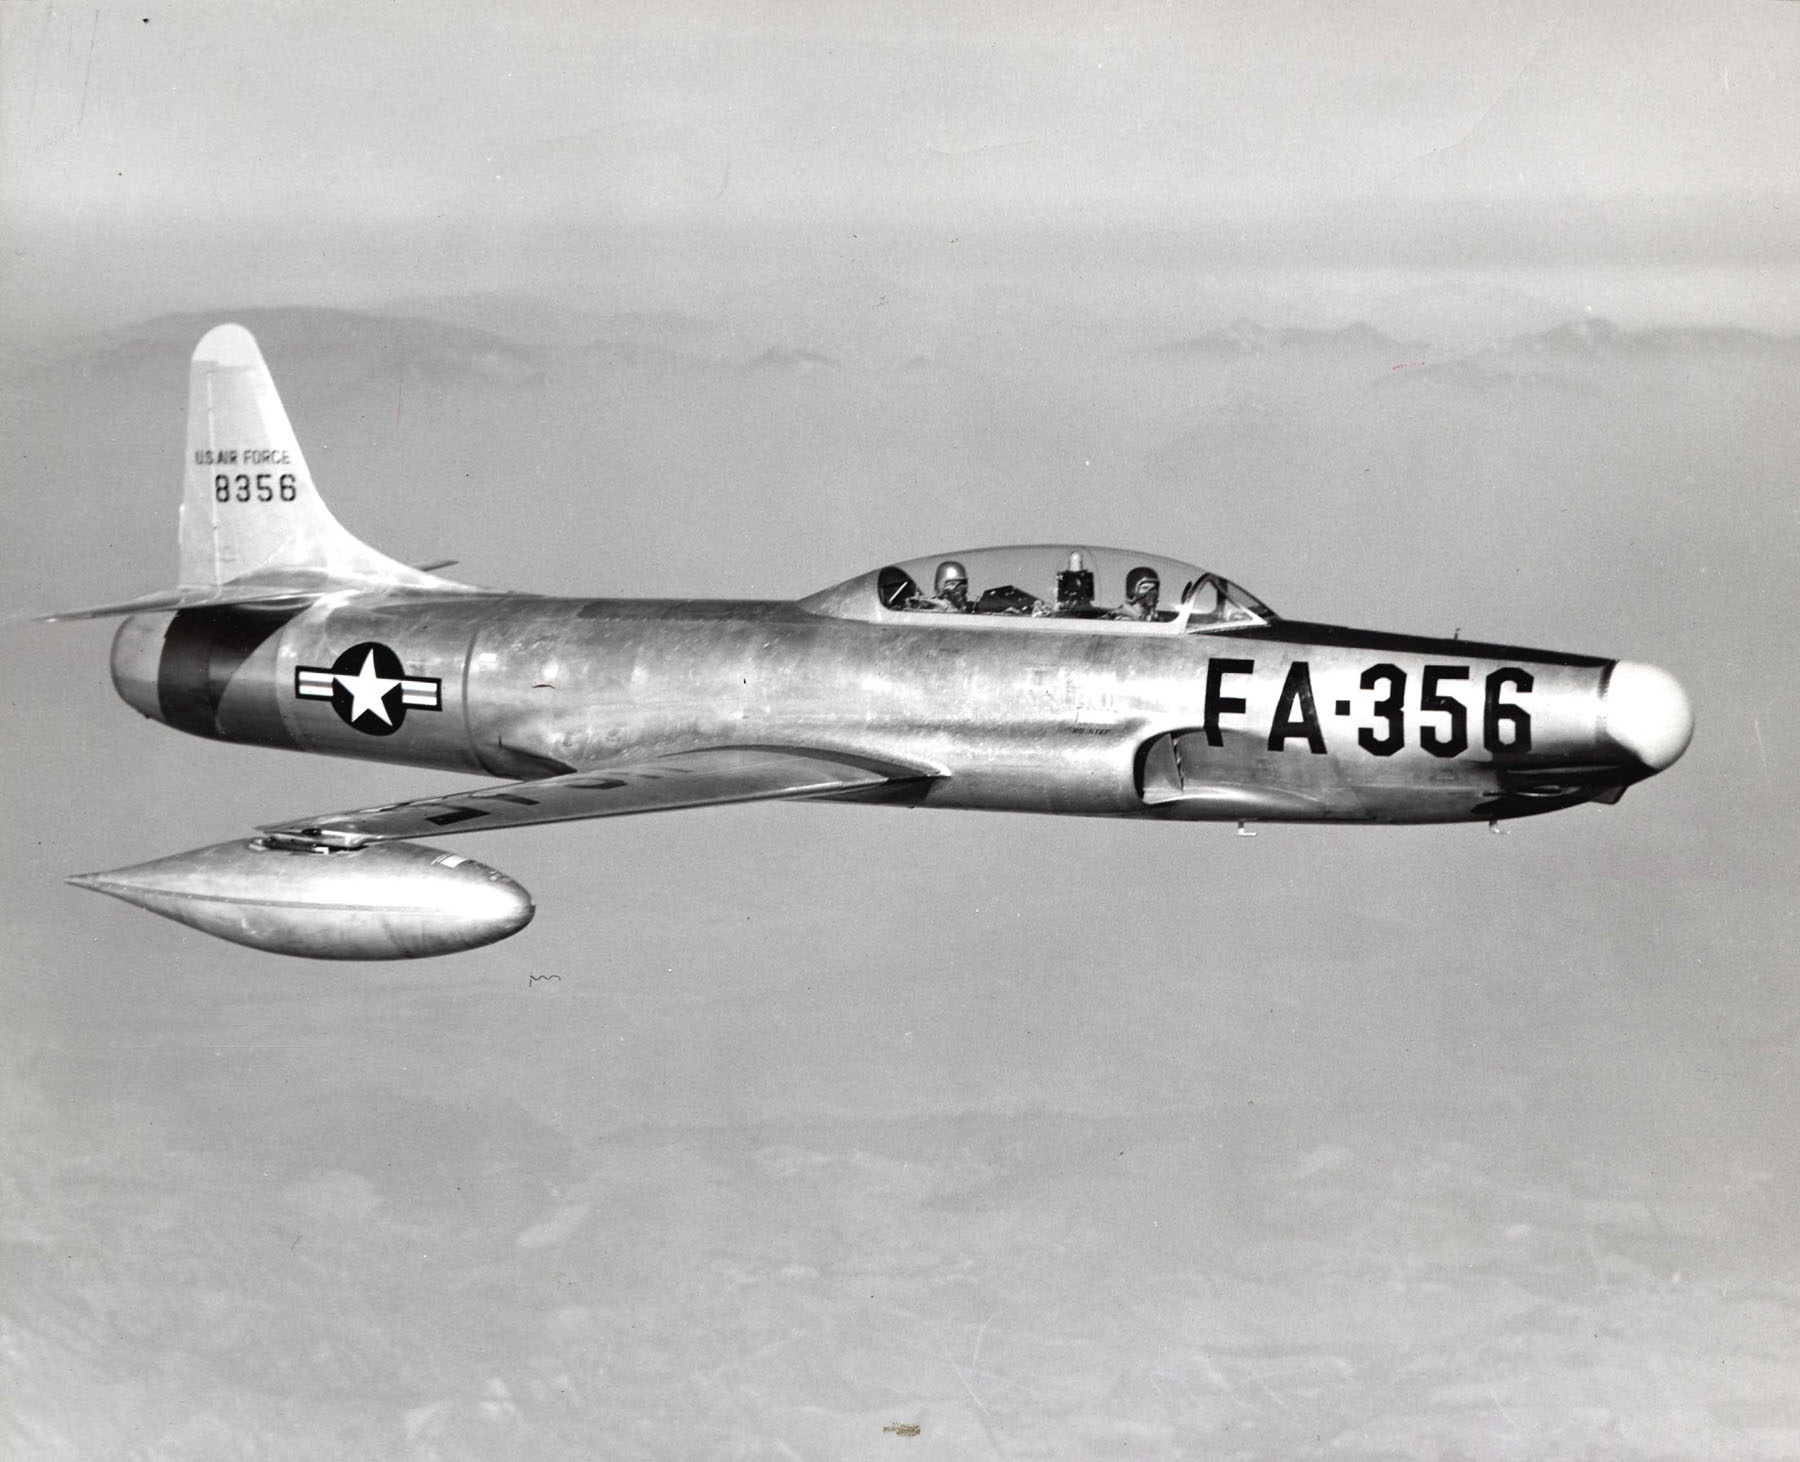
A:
x: 1647, y: 712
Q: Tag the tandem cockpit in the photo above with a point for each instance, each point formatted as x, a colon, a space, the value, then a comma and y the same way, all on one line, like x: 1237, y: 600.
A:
x: 1051, y: 587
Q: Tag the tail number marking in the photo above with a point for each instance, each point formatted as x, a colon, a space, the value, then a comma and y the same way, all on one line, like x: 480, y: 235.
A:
x: 261, y: 487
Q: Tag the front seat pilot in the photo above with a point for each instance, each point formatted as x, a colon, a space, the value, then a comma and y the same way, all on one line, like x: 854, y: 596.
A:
x: 951, y: 594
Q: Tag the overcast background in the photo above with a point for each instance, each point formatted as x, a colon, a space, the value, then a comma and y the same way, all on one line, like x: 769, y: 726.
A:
x: 1053, y: 1138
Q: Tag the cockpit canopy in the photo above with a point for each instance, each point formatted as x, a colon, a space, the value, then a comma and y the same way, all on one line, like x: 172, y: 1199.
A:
x: 1052, y: 587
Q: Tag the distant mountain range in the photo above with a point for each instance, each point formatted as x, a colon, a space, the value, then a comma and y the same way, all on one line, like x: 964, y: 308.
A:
x: 1595, y: 336
x: 359, y: 340
x: 1245, y: 338
x: 519, y: 339
x: 1587, y: 338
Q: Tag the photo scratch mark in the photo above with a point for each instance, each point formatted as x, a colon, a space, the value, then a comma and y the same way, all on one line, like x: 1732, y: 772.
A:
x: 1487, y: 111
x: 88, y: 69
x: 961, y: 1375
x: 979, y: 147
x: 37, y: 69
x: 1269, y: 1392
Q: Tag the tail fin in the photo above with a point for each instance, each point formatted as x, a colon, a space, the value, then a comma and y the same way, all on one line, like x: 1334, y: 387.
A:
x: 249, y: 510
x: 254, y: 529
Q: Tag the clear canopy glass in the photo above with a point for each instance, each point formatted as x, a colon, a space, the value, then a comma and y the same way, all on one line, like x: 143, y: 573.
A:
x: 1058, y: 587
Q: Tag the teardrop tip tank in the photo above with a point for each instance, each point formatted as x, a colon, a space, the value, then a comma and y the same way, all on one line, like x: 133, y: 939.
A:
x: 382, y: 901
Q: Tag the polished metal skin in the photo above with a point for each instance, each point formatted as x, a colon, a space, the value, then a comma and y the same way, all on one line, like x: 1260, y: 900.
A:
x: 384, y: 901
x: 1041, y: 690
x: 1000, y: 718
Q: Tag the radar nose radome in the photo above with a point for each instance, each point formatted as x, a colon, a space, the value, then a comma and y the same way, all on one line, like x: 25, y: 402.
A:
x: 1646, y: 711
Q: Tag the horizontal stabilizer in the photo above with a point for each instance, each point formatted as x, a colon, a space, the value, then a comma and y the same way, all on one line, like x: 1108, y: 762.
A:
x: 186, y: 599
x: 688, y: 779
x: 292, y: 589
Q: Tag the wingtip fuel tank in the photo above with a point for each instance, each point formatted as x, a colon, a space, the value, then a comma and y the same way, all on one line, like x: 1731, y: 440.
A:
x: 383, y: 901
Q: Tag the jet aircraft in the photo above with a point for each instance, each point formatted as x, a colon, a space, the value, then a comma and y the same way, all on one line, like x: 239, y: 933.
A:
x: 1055, y: 678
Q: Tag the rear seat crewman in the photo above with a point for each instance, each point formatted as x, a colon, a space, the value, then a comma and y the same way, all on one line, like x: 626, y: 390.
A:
x: 1142, y: 590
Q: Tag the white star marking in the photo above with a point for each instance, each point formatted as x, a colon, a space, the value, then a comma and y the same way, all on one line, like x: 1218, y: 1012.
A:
x: 367, y: 690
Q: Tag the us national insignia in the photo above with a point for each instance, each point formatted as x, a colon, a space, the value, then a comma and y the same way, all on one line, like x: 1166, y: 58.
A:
x: 369, y: 689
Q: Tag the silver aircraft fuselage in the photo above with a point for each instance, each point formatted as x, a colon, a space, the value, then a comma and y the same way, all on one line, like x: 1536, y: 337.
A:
x: 1066, y: 678
x: 1281, y: 721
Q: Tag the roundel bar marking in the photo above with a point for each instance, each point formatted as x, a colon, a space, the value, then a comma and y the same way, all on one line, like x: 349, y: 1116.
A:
x: 369, y: 688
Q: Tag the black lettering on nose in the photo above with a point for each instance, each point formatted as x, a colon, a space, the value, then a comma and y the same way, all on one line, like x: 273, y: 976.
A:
x: 1297, y: 693
x: 1218, y: 704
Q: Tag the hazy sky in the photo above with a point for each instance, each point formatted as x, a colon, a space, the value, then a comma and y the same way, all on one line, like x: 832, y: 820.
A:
x: 327, y: 152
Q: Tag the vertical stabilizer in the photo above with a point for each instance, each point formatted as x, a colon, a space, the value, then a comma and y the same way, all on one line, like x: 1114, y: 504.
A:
x: 249, y: 510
